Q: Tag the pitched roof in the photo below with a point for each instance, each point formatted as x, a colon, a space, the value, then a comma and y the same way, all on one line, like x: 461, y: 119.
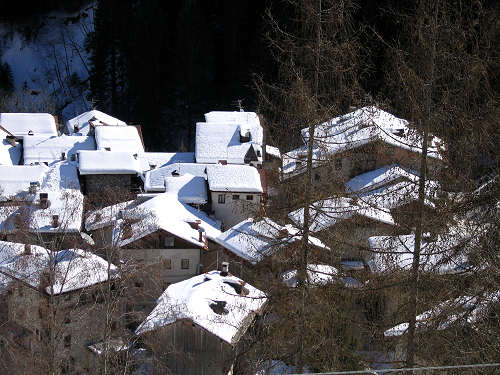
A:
x: 9, y: 154
x: 154, y: 180
x: 118, y: 138
x: 235, y: 178
x: 196, y: 299
x: 97, y: 118
x: 381, y: 176
x: 15, y: 179
x: 219, y: 137
x: 39, y: 149
x: 73, y: 268
x: 355, y: 129
x: 20, y: 124
x: 108, y: 162
x: 328, y: 212
x: 253, y: 240
x: 151, y: 215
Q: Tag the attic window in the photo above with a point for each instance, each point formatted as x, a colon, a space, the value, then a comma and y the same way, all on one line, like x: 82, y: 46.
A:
x: 219, y: 307
x: 169, y: 241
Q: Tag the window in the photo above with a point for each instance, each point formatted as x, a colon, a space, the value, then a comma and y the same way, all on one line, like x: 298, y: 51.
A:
x: 185, y: 264
x: 169, y: 241
x: 371, y: 164
x: 338, y: 164
x: 236, y: 197
x: 67, y: 341
x: 167, y: 263
x: 249, y: 197
x: 221, y: 199
x: 317, y: 177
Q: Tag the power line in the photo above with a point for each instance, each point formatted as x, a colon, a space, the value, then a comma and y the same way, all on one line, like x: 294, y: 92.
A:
x: 403, y: 369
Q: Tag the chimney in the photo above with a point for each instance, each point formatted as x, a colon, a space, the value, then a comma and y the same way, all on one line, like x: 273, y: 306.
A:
x: 27, y: 249
x: 245, y: 135
x: 76, y: 128
x: 225, y: 269
x: 55, y: 221
x: 33, y: 187
x: 175, y: 173
x: 200, y: 234
x: 135, y: 156
x: 11, y: 140
x: 63, y: 156
x: 44, y: 200
x: 30, y: 132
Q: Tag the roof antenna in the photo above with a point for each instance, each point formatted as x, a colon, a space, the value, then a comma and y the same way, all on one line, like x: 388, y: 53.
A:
x: 239, y: 103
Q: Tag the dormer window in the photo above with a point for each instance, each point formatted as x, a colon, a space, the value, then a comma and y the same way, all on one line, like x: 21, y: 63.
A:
x: 245, y: 135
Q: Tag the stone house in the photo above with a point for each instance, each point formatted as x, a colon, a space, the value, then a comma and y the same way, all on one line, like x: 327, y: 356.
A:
x: 197, y: 323
x: 55, y: 304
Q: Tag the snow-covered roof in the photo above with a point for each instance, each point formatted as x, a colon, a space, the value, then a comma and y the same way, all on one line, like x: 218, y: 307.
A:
x: 381, y: 176
x: 318, y: 274
x: 356, y: 129
x: 118, y: 138
x: 273, y: 151
x: 106, y: 216
x: 9, y: 154
x: 20, y: 124
x: 97, y: 118
x: 39, y: 149
x: 219, y: 137
x: 235, y: 178
x: 328, y: 212
x: 253, y: 241
x: 72, y: 268
x: 462, y: 310
x: 165, y: 212
x: 108, y: 162
x: 65, y: 200
x: 190, y: 189
x: 247, y: 118
x: 151, y: 160
x: 60, y: 183
x: 209, y: 301
x: 15, y: 179
x: 395, y: 253
x: 154, y: 180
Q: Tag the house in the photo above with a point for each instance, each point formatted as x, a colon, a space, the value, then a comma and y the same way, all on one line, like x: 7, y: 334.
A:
x: 119, y: 138
x: 104, y: 172
x: 466, y: 317
x: 236, y: 192
x: 229, y: 138
x: 320, y: 274
x: 161, y: 232
x: 10, y: 148
x: 21, y: 124
x: 345, y: 224
x: 360, y: 141
x: 41, y: 203
x: 156, y: 160
x: 251, y: 241
x: 154, y: 179
x: 54, y: 296
x: 85, y: 123
x: 197, y: 323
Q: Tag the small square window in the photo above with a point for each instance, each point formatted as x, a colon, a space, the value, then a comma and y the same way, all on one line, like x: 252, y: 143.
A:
x: 167, y: 263
x: 338, y: 164
x: 185, y: 264
x: 221, y: 199
x: 236, y: 197
x: 371, y: 164
x: 67, y: 341
x: 317, y: 177
x: 249, y: 197
x: 169, y: 241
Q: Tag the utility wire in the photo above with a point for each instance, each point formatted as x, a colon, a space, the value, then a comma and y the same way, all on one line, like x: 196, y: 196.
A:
x: 477, y: 365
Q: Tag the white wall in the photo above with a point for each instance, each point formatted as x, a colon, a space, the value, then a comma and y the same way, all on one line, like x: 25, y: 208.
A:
x: 234, y: 211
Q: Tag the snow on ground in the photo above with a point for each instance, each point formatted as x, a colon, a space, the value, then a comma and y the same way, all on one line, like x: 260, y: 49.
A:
x: 46, y: 61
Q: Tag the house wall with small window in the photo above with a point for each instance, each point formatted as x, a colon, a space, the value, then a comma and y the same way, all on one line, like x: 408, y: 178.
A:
x: 234, y: 207
x: 175, y: 258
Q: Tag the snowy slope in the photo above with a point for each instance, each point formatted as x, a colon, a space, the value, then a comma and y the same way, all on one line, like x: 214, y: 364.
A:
x: 45, y: 61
